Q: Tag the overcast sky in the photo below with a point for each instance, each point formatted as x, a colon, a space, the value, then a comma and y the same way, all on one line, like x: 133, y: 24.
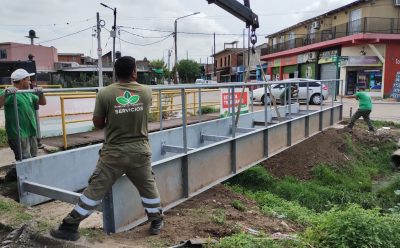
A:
x: 53, y: 19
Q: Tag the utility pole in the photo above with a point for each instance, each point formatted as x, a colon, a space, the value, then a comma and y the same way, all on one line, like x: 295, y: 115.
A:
x: 215, y: 62
x: 113, y: 34
x: 176, y: 43
x: 99, y: 52
x: 169, y: 64
x: 206, y: 71
x: 176, y: 51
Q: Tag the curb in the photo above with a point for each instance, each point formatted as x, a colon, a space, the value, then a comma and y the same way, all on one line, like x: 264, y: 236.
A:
x: 388, y: 103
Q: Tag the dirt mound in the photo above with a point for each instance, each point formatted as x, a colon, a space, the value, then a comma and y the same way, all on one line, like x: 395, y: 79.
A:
x: 210, y: 214
x: 328, y: 148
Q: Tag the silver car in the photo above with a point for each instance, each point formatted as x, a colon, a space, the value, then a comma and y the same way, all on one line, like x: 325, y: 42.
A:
x: 314, y: 91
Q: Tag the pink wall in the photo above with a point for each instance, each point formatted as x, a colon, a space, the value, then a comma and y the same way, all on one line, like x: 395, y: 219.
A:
x: 44, y: 56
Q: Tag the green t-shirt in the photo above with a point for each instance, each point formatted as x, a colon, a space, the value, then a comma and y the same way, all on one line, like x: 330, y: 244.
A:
x: 26, y: 114
x: 126, y: 107
x: 364, y: 99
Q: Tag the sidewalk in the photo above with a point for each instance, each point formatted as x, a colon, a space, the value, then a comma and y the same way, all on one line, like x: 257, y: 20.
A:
x: 381, y: 110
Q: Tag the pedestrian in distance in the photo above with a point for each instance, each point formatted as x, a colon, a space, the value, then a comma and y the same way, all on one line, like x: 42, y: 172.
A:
x: 122, y: 108
x: 364, y: 109
x: 26, y: 102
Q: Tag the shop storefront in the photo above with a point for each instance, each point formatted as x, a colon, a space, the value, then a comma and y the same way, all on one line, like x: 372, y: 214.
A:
x: 289, y: 65
x: 275, y: 73
x: 327, y: 64
x: 364, y: 72
x: 306, y: 64
x: 307, y: 70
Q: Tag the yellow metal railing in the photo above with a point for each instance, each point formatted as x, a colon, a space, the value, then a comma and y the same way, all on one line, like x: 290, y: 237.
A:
x: 168, y: 104
x: 44, y: 86
x: 63, y: 121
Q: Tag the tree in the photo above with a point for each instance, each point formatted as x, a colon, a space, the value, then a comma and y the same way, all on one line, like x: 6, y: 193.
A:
x: 188, y: 71
x: 159, y: 65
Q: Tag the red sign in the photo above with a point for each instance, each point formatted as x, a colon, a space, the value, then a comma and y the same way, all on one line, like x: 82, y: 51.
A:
x: 226, y: 101
x: 392, y: 66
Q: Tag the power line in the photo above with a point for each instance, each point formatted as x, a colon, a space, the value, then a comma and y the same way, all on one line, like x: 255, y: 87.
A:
x: 80, y: 31
x: 61, y: 37
x: 50, y: 24
x: 148, y: 44
x: 184, y: 32
x: 145, y: 37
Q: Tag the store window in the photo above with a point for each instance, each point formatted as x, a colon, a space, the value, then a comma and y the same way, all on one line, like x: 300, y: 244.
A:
x: 3, y: 54
x: 369, y: 79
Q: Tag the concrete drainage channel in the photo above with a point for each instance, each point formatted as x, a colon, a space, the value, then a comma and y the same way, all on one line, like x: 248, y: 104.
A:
x: 182, y: 160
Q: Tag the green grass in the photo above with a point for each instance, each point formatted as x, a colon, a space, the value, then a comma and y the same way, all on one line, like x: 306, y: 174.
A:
x: 339, y: 207
x: 3, y: 138
x: 353, y: 226
x: 209, y: 110
x: 376, y: 123
x: 13, y: 214
x: 331, y: 186
x: 237, y: 204
x: 219, y: 216
x: 243, y: 240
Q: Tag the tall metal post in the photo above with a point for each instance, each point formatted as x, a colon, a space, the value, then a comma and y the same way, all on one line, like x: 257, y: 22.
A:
x: 215, y: 62
x: 169, y: 65
x: 176, y: 51
x: 99, y: 52
x: 176, y: 45
x: 113, y: 35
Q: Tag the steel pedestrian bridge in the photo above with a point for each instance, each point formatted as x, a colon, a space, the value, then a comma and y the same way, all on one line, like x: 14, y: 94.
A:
x: 186, y: 160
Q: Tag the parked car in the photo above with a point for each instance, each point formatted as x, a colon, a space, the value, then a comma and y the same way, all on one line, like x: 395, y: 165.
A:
x: 314, y: 91
x: 205, y: 81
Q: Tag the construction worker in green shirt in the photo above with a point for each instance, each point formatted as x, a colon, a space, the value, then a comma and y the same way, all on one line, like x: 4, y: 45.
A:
x: 26, y: 115
x: 122, y: 108
x: 364, y: 109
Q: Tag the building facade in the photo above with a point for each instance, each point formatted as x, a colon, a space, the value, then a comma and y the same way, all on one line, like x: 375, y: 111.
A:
x: 45, y: 57
x: 358, y: 43
x: 227, y: 62
x: 71, y: 57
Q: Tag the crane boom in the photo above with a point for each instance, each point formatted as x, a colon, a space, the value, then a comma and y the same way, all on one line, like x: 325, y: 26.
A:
x: 243, y: 12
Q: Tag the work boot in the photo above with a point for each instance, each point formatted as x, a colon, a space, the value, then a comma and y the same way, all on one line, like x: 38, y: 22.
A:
x: 348, y: 129
x: 66, y: 231
x: 156, y: 226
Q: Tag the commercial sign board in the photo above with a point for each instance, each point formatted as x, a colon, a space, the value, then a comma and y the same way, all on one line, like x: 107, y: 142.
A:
x: 289, y: 61
x: 328, y: 57
x: 306, y: 57
x: 362, y: 61
x: 277, y: 62
x: 226, y: 102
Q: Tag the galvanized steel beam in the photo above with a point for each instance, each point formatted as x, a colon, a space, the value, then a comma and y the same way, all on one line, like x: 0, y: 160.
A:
x: 217, y: 153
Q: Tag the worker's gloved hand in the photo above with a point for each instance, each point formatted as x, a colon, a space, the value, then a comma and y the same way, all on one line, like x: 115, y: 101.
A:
x: 10, y: 91
x: 39, y: 91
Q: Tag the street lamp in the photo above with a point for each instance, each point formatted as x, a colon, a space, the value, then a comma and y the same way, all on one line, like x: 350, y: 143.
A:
x: 113, y: 34
x: 176, y: 43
